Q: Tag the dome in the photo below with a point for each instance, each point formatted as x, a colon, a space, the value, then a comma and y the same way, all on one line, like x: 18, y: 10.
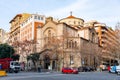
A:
x: 71, y: 16
x: 72, y: 21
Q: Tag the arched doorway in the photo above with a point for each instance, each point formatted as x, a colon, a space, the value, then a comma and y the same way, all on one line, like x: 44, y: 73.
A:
x: 53, y: 64
x: 46, y: 61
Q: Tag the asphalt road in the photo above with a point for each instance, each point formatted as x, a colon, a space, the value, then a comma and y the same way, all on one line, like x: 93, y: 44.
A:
x: 59, y: 76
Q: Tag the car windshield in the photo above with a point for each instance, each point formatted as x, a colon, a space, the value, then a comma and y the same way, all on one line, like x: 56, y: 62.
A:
x: 16, y: 63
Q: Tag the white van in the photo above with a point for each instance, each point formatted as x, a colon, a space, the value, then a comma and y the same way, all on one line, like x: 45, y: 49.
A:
x: 115, y: 69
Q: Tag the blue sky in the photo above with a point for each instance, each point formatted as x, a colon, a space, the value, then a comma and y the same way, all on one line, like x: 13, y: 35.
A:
x: 104, y: 11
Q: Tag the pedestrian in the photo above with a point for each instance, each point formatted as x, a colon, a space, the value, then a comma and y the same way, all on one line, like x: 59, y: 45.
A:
x: 101, y: 67
x: 109, y: 68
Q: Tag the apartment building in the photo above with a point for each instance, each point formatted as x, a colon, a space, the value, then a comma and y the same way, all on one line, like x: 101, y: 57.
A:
x: 28, y: 28
x: 108, y: 40
x: 15, y: 27
x: 28, y: 34
x: 2, y: 36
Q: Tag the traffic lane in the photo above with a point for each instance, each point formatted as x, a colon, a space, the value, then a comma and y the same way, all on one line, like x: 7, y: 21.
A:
x: 68, y: 77
x: 28, y: 76
x: 58, y: 76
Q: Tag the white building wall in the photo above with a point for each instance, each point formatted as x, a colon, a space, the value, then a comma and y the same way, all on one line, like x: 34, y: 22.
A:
x: 73, y: 21
x: 84, y: 34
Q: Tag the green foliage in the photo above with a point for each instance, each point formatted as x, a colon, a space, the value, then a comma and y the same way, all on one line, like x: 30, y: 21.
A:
x: 110, y: 28
x: 6, y: 51
x: 15, y: 57
x: 34, y: 57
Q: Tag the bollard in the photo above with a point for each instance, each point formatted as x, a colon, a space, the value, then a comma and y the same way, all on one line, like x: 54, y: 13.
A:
x: 3, y: 73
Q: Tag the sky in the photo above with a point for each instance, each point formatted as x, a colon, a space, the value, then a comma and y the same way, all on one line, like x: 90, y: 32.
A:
x: 104, y: 11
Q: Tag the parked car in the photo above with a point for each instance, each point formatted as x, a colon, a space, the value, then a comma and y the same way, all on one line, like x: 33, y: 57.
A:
x: 70, y: 70
x: 85, y: 69
x: 118, y: 69
x: 115, y: 69
x: 112, y: 69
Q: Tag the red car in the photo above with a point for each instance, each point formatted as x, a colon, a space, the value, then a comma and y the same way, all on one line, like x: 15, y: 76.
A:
x: 70, y: 70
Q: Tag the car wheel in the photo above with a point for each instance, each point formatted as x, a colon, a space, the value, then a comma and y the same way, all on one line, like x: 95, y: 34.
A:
x: 62, y: 72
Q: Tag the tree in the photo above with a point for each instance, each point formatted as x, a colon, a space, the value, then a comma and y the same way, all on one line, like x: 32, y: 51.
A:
x: 24, y: 48
x: 6, y: 51
x: 15, y: 57
x: 34, y: 57
x: 55, y: 45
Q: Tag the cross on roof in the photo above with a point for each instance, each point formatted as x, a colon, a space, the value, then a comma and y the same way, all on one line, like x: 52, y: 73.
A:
x: 71, y: 13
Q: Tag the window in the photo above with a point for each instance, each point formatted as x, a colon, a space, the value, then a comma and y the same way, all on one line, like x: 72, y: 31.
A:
x: 74, y: 22
x: 49, y: 36
x: 38, y: 17
x: 78, y: 35
x: 97, y: 33
x: 67, y: 46
x: 49, y: 33
x: 103, y: 42
x: 35, y: 17
x: 21, y: 24
x: 69, y: 43
x: 93, y: 36
x: 72, y: 44
x: 71, y: 59
x: 11, y: 63
x: 103, y: 32
x: 41, y: 18
x: 75, y: 44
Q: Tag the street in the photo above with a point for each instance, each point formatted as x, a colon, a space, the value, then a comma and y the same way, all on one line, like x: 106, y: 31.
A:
x: 59, y: 76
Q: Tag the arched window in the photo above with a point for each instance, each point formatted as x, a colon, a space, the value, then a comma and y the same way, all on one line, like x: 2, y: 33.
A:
x: 78, y: 35
x: 75, y: 44
x: 49, y: 33
x: 49, y: 36
x: 93, y: 37
x: 69, y: 43
x: 79, y: 23
x: 71, y: 60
